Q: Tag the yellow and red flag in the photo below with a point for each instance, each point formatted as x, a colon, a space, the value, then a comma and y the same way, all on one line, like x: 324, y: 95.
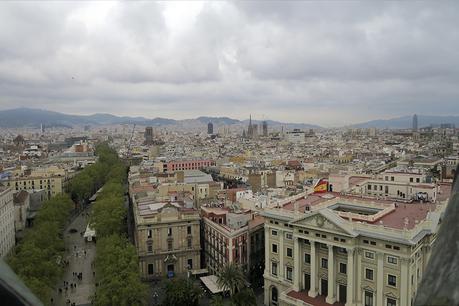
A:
x: 321, y: 186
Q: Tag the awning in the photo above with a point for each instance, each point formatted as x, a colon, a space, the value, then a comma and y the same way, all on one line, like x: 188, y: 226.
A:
x: 211, y: 283
x: 199, y: 271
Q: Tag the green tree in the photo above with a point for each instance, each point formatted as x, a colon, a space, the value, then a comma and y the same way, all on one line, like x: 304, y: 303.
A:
x: 36, y: 259
x: 244, y: 297
x: 180, y: 291
x: 231, y: 277
x: 217, y: 300
x: 117, y: 269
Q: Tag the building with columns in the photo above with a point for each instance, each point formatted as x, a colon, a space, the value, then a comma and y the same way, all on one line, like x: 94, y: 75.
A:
x: 331, y: 249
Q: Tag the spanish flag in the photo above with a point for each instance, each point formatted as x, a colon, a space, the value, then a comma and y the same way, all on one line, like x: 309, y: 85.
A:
x: 321, y: 186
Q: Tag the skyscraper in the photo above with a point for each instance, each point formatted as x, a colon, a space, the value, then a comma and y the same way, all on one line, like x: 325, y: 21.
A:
x: 250, y: 129
x: 415, y: 122
x: 210, y: 128
x: 265, y: 129
x: 149, y: 135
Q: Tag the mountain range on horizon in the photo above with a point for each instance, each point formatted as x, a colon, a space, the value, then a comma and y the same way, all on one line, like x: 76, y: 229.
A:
x: 31, y: 117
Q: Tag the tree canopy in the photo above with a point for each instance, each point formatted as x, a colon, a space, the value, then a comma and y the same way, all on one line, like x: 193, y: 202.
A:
x: 181, y: 291
x: 37, y: 259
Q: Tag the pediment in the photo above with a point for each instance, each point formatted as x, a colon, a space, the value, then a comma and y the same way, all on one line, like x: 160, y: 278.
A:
x: 327, y: 221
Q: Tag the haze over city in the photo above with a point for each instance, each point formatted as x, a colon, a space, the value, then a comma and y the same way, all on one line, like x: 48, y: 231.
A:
x: 326, y: 63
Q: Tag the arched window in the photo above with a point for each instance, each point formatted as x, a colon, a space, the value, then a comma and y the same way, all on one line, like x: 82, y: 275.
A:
x: 274, y: 298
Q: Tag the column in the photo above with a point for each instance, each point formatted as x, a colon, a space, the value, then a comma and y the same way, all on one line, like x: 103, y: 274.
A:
x: 267, y: 251
x: 358, y: 290
x: 297, y: 265
x: 380, y: 279
x: 350, y: 277
x: 280, y: 248
x: 267, y: 262
x: 331, y: 297
x: 313, y: 291
x: 404, y: 280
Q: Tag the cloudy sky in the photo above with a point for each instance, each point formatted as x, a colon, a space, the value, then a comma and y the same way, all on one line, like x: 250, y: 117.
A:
x: 328, y: 63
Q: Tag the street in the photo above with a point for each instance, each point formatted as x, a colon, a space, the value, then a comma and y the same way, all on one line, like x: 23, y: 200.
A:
x: 72, y: 289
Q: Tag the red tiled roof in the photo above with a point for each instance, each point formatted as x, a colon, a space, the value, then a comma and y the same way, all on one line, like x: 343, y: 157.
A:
x: 257, y: 220
x: 412, y: 212
x: 316, y: 301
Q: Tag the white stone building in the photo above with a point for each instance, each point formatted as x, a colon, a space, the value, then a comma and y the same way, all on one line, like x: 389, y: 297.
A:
x: 7, y: 233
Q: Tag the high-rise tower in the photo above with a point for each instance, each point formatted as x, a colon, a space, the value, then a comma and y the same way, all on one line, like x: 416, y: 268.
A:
x: 210, y: 128
x: 149, y: 135
x: 250, y: 129
x: 265, y: 128
x: 415, y: 122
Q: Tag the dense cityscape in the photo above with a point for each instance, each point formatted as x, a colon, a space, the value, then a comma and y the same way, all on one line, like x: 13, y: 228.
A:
x: 317, y: 216
x: 229, y: 153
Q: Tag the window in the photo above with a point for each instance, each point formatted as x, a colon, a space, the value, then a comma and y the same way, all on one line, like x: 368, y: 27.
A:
x: 324, y: 263
x: 369, y: 187
x: 274, y: 268
x: 411, y: 179
x: 369, y: 274
x: 369, y: 255
x: 307, y: 258
x: 386, y: 189
x: 392, y: 260
x: 169, y: 245
x: 368, y: 298
x: 149, y: 233
x: 150, y: 248
x: 190, y: 263
x: 274, y: 248
x: 169, y: 231
x: 396, y: 248
x: 391, y: 302
x: 289, y: 236
x: 188, y: 230
x: 289, y: 273
x: 289, y: 252
x: 366, y: 241
x: 274, y: 233
x: 342, y: 268
x: 388, y: 246
x: 372, y: 242
x: 417, y: 181
x: 190, y: 243
x: 150, y: 269
x: 392, y: 178
x: 392, y: 280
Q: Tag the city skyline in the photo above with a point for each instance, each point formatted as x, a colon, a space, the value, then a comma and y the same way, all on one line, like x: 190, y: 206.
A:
x: 366, y: 62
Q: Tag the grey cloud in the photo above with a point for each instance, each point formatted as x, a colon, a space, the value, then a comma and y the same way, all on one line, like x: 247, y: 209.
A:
x: 314, y: 62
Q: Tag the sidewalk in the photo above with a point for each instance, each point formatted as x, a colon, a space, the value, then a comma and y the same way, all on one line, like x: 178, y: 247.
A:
x: 79, y: 262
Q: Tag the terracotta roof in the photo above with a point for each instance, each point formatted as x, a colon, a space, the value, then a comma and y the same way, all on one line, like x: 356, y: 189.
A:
x: 406, y: 213
x: 316, y: 301
x: 257, y: 220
